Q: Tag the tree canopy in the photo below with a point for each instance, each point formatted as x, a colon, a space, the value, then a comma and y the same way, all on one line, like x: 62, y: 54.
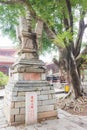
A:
x: 51, y: 12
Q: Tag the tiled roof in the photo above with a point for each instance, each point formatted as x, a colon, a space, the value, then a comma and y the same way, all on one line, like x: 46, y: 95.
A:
x: 7, y: 59
x: 7, y: 51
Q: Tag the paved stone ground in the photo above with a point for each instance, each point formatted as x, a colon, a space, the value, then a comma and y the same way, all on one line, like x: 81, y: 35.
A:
x: 66, y: 121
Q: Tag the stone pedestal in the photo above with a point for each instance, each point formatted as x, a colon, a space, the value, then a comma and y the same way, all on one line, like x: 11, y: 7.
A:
x: 28, y: 75
x: 14, y: 106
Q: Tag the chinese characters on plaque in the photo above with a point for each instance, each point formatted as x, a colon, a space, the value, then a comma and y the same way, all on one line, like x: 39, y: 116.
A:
x: 31, y: 108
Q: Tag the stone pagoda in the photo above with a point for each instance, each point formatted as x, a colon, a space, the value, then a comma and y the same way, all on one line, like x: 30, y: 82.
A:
x: 28, y: 75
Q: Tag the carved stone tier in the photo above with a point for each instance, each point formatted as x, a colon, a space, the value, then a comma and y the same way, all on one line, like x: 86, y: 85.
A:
x: 33, y: 65
x: 26, y: 51
x: 33, y: 69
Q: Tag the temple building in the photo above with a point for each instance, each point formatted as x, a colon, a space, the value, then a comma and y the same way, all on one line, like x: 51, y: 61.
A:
x: 7, y: 58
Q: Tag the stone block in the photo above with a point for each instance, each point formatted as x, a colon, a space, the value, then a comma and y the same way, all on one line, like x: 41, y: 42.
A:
x: 21, y: 93
x: 38, y: 92
x: 18, y: 76
x: 27, y: 56
x: 12, y: 104
x: 19, y: 118
x: 22, y: 110
x: 43, y: 76
x: 48, y: 114
x: 19, y: 104
x: 47, y: 88
x: 12, y: 118
x: 42, y: 97
x: 32, y: 76
x: 47, y: 92
x: 45, y: 108
x: 14, y: 111
x: 50, y: 96
x: 51, y: 87
x: 39, y: 103
x: 47, y: 102
x: 23, y: 25
x: 20, y: 98
x: 14, y: 93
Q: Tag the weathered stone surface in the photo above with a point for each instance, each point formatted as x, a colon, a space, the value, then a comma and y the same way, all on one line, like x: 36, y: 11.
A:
x: 43, y: 76
x: 18, y: 76
x: 39, y: 28
x: 21, y: 93
x: 27, y: 42
x: 19, y: 118
x: 23, y: 25
x: 19, y: 104
x: 47, y: 102
x: 22, y: 88
x: 42, y: 97
x: 17, y: 99
x: 12, y: 118
x: 32, y: 76
x: 14, y: 111
x: 31, y: 108
x: 14, y: 93
x: 12, y: 104
x: 51, y: 96
x: 45, y: 108
x: 48, y: 114
x: 36, y: 62
x: 22, y: 111
x: 47, y: 92
x: 10, y: 128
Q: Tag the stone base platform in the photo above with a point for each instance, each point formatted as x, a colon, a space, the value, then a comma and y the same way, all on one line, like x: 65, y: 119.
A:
x: 14, y: 101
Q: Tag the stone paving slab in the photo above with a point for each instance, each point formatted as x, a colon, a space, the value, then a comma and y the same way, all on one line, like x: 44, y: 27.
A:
x: 80, y: 120
x: 3, y: 121
x: 57, y: 124
x: 8, y: 128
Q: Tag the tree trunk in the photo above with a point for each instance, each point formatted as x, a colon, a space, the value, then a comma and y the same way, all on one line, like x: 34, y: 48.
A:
x: 75, y: 77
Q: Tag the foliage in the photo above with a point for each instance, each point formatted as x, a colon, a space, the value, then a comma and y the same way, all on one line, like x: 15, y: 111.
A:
x: 53, y: 13
x: 3, y: 79
x: 60, y: 39
x: 9, y: 18
x: 45, y: 43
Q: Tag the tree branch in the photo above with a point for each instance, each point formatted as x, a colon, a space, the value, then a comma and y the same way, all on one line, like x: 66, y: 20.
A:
x: 80, y: 35
x: 29, y: 6
x: 56, y: 62
x: 69, y: 23
x: 49, y: 32
x: 80, y: 59
x: 70, y: 14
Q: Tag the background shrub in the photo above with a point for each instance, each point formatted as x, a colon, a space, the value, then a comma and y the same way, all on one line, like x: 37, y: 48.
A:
x: 3, y: 79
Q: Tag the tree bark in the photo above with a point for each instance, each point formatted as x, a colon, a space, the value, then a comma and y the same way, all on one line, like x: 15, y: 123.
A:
x: 75, y: 77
